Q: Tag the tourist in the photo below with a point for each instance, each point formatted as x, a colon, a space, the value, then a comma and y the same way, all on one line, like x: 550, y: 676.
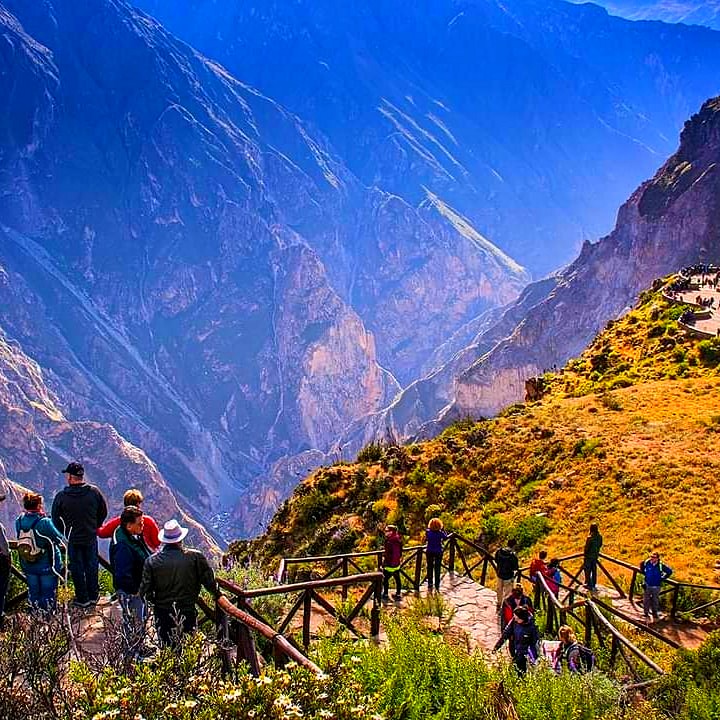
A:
x: 128, y: 553
x: 578, y: 658
x: 553, y: 577
x: 434, y: 538
x: 392, y: 557
x: 654, y: 572
x: 591, y: 555
x: 38, y: 546
x: 538, y: 566
x: 507, y: 569
x: 133, y: 498
x: 517, y: 598
x: 171, y: 581
x: 5, y: 563
x: 526, y: 639
x: 78, y: 511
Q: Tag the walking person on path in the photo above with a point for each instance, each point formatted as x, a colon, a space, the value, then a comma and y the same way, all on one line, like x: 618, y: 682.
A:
x: 507, y: 568
x: 78, y: 511
x: 133, y: 498
x: 392, y: 558
x: 434, y: 538
x: 38, y: 548
x: 591, y: 555
x: 654, y: 572
x: 526, y: 639
x: 171, y: 581
x: 128, y: 553
x: 4, y: 569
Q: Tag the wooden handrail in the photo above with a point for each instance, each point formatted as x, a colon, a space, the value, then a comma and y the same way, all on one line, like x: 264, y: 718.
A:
x: 246, y: 594
x: 278, y: 640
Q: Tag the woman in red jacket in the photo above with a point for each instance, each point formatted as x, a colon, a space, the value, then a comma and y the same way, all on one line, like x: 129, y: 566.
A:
x: 133, y: 498
x: 392, y: 560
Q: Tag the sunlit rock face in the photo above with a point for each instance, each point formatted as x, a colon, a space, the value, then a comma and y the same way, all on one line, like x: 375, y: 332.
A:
x: 535, y: 119
x: 197, y: 273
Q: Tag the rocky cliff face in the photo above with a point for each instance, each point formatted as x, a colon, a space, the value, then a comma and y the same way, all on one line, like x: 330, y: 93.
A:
x: 533, y: 118
x: 194, y: 270
x: 692, y: 12
x: 669, y: 222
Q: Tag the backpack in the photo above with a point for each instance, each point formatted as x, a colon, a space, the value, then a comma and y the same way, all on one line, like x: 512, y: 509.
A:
x: 586, y: 657
x: 27, y: 546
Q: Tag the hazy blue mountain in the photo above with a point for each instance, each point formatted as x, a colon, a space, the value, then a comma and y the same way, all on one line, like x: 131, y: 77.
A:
x: 693, y: 12
x: 534, y: 118
x: 187, y: 262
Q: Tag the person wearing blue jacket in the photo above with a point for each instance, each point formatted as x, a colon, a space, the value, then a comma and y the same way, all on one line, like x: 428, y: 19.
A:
x: 43, y: 573
x: 525, y: 639
x: 128, y: 553
x: 434, y: 538
x: 654, y: 572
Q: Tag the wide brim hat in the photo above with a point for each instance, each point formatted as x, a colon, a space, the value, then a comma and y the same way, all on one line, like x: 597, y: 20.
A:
x: 172, y: 532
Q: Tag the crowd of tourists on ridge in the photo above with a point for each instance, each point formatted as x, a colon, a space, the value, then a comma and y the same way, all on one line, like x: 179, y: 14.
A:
x: 514, y: 607
x: 152, y: 569
x: 150, y: 566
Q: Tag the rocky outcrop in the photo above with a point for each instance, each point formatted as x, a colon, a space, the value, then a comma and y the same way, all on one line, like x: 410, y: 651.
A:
x: 195, y: 270
x: 692, y: 12
x: 535, y: 119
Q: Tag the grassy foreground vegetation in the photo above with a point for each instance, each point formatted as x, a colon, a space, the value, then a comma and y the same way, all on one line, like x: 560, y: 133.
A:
x: 415, y: 675
x: 626, y: 436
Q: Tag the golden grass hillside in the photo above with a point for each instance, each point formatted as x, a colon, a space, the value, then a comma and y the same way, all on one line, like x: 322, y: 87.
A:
x: 627, y: 436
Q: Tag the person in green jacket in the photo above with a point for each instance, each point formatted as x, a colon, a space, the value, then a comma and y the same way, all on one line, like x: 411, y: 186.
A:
x: 591, y: 555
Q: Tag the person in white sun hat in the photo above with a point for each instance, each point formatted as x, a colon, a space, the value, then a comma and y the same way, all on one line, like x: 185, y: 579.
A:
x: 171, y: 582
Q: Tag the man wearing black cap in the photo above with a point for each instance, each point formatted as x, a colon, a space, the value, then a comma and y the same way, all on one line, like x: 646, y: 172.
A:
x: 78, y: 511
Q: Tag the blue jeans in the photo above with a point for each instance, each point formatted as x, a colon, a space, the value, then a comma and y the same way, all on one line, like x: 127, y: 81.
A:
x: 83, y: 565
x: 591, y: 573
x: 42, y: 589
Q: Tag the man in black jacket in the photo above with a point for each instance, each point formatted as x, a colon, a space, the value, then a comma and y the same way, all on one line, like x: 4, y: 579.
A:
x: 171, y: 581
x: 78, y: 511
x: 506, y: 567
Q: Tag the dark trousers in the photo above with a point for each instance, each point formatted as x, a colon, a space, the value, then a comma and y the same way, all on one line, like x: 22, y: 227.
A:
x: 4, y: 582
x: 83, y: 565
x: 434, y: 563
x: 387, y: 574
x: 173, y: 624
x: 520, y: 662
x: 591, y: 573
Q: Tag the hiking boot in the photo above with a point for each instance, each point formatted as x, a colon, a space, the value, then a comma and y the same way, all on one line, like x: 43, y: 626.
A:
x: 385, y: 597
x: 397, y: 596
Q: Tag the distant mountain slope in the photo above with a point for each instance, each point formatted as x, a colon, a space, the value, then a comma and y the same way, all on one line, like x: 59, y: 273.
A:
x: 626, y: 437
x: 692, y: 12
x: 190, y: 264
x: 533, y: 118
x: 669, y: 222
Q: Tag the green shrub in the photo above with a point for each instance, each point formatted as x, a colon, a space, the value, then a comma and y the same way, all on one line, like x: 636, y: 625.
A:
x: 709, y: 352
x: 529, y: 530
x: 371, y: 453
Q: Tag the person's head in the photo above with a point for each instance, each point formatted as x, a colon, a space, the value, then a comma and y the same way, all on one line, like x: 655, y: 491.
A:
x: 518, y: 591
x: 435, y: 524
x: 133, y: 497
x: 566, y: 635
x: 512, y: 543
x: 32, y: 502
x: 654, y: 557
x: 391, y: 529
x: 172, y: 533
x: 75, y: 473
x: 594, y: 529
x: 555, y: 562
x: 521, y: 615
x: 542, y: 554
x: 131, y: 519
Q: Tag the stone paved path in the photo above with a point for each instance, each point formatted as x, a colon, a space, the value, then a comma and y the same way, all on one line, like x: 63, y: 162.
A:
x: 475, y: 610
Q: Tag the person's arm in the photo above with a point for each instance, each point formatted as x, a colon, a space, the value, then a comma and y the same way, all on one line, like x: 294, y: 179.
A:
x: 56, y: 514
x: 666, y: 571
x: 107, y: 529
x: 506, y: 633
x: 102, y: 510
x: 146, y: 584
x: 573, y: 659
x: 516, y: 566
x: 54, y: 535
x: 151, y: 533
x: 207, y: 576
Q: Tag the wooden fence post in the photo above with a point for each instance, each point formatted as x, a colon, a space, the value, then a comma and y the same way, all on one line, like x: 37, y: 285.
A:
x: 307, y: 614
x: 246, y: 649
x: 344, y: 590
x: 483, y: 574
x: 418, y: 569
x: 451, y: 558
x: 375, y: 610
x: 675, y: 599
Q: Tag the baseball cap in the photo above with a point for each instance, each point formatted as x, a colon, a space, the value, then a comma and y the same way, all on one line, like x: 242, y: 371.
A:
x: 75, y: 469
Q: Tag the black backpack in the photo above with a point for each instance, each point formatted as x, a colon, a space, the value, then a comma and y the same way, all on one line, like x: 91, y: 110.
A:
x: 585, y: 655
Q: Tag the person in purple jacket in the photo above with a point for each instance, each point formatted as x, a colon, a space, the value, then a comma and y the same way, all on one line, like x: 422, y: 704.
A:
x: 434, y: 538
x: 391, y: 561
